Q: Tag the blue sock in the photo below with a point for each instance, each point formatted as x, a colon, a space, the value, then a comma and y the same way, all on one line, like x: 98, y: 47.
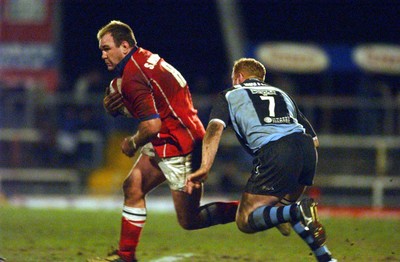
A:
x: 321, y: 252
x: 266, y: 217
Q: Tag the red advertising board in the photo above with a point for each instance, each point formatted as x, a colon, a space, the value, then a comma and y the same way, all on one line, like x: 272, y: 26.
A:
x: 27, y: 43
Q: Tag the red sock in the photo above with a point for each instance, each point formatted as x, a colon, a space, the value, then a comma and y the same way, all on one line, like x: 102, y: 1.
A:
x: 229, y: 211
x: 133, y: 220
x: 216, y: 213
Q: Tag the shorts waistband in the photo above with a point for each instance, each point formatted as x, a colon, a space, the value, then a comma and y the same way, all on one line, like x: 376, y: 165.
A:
x: 271, y: 143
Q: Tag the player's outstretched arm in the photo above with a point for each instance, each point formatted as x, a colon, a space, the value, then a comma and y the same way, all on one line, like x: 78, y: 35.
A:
x: 209, y: 151
x: 112, y: 102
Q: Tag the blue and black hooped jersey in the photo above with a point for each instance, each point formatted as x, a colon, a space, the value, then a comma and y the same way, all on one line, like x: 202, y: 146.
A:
x: 259, y: 113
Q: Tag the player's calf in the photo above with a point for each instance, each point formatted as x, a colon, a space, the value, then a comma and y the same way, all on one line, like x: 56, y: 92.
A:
x: 266, y: 217
x: 284, y: 228
x: 211, y: 214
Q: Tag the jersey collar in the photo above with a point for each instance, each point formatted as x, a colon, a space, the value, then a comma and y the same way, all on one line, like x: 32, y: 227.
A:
x: 119, y: 69
x: 249, y: 80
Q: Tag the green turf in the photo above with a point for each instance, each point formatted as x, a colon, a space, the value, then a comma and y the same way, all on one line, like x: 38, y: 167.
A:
x: 74, y: 235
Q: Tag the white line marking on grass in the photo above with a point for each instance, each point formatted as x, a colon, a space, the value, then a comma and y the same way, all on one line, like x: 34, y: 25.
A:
x: 177, y: 257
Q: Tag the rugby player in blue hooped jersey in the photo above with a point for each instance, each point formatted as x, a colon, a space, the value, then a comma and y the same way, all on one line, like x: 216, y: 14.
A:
x: 270, y: 126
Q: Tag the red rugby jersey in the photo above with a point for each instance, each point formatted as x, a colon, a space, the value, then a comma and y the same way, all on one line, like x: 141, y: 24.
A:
x: 152, y: 88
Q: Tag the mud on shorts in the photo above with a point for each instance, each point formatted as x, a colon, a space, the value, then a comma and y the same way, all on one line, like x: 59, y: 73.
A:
x: 175, y: 169
x: 282, y: 165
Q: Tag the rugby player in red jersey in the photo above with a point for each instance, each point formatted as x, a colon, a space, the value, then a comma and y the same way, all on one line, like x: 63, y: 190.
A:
x: 156, y: 94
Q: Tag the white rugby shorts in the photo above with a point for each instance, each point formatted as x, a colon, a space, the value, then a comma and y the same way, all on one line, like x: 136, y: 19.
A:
x: 175, y: 169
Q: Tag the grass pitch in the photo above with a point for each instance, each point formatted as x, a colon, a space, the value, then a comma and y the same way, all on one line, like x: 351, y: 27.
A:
x: 75, y: 235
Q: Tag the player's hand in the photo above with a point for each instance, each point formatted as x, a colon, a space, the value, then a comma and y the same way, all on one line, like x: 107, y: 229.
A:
x: 112, y: 102
x: 316, y: 142
x: 195, y: 180
x: 128, y: 148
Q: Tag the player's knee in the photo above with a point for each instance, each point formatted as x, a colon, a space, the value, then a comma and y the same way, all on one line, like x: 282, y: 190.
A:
x: 188, y: 221
x: 126, y: 186
x: 130, y: 192
x: 187, y: 224
x: 244, y: 227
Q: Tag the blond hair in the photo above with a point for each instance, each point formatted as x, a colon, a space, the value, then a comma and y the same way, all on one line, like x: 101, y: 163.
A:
x: 119, y: 31
x: 249, y: 67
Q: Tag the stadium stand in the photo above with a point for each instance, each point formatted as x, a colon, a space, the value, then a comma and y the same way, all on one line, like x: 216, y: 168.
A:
x: 108, y: 178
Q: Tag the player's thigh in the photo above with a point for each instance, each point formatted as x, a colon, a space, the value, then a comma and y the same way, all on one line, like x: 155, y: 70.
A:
x: 144, y: 176
x: 187, y: 205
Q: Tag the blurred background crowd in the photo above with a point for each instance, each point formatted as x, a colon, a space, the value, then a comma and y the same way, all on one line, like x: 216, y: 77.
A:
x: 339, y: 59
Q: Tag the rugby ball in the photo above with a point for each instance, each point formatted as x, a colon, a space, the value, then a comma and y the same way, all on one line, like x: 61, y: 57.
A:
x: 115, y: 86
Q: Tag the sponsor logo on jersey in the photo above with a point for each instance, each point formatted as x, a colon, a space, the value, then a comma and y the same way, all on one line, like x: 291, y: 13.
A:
x: 253, y: 84
x: 278, y: 120
x: 263, y: 92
